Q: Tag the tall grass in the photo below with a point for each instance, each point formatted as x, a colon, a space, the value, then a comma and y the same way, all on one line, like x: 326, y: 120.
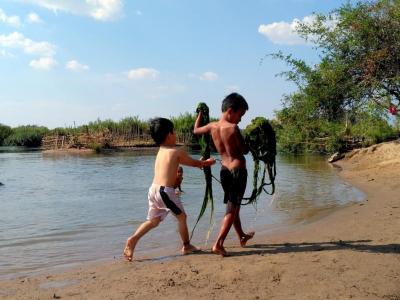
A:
x: 129, y: 126
x: 183, y: 125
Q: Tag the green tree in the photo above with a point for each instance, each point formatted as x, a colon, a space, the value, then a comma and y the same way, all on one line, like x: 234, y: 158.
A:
x: 364, y: 40
x: 359, y: 69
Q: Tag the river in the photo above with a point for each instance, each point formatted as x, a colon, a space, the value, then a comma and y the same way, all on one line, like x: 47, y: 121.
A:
x: 60, y: 210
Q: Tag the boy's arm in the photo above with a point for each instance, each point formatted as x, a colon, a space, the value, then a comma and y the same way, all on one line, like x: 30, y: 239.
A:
x: 200, y: 129
x: 186, y: 160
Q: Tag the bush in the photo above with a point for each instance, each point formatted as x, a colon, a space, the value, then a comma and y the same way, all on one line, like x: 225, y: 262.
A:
x: 5, y: 131
x: 28, y: 136
x: 373, y: 130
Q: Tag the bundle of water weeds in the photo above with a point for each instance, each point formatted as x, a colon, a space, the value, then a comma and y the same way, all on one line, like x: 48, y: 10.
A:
x: 260, y: 137
x: 205, y: 144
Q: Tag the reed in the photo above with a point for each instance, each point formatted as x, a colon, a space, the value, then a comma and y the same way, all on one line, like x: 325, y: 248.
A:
x: 183, y: 125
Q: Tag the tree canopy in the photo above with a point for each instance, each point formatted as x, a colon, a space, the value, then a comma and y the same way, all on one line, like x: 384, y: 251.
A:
x: 357, y: 79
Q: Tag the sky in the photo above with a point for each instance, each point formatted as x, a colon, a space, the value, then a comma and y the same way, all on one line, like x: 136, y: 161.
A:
x: 65, y: 63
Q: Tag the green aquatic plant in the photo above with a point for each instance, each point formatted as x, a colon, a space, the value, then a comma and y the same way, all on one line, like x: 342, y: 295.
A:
x: 260, y: 137
x: 205, y: 145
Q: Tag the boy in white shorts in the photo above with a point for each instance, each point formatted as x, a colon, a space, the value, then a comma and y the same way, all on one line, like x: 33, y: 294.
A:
x: 162, y: 198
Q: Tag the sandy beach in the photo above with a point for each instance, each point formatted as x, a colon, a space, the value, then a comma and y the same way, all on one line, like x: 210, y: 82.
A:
x: 351, y: 253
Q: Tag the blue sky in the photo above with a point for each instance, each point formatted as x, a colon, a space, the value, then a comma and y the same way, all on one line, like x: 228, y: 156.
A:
x: 73, y: 61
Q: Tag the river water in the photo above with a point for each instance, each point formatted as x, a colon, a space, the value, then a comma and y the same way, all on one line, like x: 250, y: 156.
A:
x: 59, y: 210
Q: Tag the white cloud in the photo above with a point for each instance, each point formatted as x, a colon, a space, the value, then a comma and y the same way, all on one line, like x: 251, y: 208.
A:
x: 209, y: 76
x: 45, y: 50
x: 4, y: 53
x: 43, y: 63
x: 33, y: 18
x: 75, y: 66
x: 142, y: 73
x: 9, y: 20
x: 19, y: 41
x: 284, y: 33
x: 103, y: 10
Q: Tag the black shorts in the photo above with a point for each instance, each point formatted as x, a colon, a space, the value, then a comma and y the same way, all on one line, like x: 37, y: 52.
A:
x: 234, y: 184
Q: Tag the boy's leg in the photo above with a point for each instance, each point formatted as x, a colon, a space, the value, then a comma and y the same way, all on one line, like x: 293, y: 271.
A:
x: 184, y: 233
x: 141, y: 231
x: 226, y: 225
x: 237, y: 224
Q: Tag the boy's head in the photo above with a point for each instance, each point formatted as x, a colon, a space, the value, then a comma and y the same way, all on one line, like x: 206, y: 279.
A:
x: 160, y: 128
x: 234, y: 101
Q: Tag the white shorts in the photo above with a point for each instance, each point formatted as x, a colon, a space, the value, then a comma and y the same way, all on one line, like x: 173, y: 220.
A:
x: 161, y: 201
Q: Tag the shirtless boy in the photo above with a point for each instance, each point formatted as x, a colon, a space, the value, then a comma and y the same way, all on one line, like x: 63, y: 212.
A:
x: 230, y: 145
x: 161, y: 196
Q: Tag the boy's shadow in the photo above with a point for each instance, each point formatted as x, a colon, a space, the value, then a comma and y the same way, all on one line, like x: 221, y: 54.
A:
x: 359, y: 245
x: 263, y: 249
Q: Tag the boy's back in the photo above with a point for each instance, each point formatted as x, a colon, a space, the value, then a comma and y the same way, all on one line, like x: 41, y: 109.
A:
x: 229, y: 143
x: 165, y: 167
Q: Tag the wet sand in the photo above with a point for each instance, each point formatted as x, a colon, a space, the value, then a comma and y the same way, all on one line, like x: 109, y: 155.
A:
x: 351, y: 253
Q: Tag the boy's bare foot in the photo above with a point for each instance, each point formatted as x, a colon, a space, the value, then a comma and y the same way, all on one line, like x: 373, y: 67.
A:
x: 128, y: 251
x: 219, y: 250
x: 189, y: 249
x: 245, y: 238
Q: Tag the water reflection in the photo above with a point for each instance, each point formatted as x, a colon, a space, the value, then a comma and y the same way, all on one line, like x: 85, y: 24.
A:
x: 309, y: 187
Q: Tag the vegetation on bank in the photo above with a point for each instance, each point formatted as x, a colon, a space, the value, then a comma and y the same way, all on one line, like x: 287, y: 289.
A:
x: 99, y: 132
x: 349, y: 95
x: 27, y: 136
x: 96, y: 135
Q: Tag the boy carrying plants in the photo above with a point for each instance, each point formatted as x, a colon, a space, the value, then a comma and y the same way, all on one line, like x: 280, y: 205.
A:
x: 230, y: 145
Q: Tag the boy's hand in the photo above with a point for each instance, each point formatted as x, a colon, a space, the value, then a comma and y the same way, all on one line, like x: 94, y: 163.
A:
x: 208, y: 162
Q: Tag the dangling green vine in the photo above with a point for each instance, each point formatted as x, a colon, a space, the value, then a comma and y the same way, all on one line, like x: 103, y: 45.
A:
x: 260, y: 137
x: 205, y: 144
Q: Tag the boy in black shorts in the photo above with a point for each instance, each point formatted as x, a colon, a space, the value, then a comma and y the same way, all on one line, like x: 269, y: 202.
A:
x: 230, y: 145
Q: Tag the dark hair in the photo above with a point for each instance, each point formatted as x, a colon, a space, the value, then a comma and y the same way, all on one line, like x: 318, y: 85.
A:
x: 234, y: 101
x: 160, y: 128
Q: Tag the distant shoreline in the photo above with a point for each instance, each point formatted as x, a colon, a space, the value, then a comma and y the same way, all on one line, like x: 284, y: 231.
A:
x: 139, y: 147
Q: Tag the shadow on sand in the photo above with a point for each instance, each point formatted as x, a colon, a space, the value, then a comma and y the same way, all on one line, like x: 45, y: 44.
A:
x: 262, y: 249
x: 360, y: 245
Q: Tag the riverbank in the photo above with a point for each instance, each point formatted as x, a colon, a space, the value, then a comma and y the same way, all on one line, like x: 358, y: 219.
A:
x: 131, y: 148
x: 352, y: 253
